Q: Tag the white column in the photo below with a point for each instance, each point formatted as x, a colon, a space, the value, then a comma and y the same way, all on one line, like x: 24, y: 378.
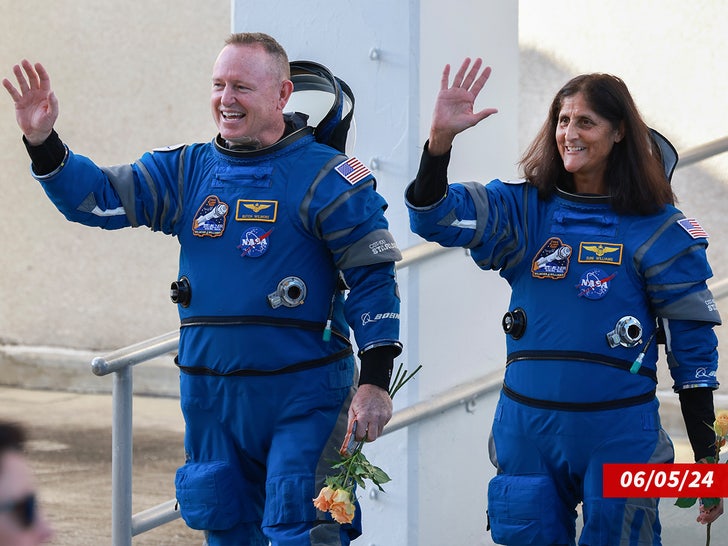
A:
x: 391, y: 52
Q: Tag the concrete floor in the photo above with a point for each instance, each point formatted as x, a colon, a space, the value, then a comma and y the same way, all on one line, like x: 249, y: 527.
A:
x: 70, y: 449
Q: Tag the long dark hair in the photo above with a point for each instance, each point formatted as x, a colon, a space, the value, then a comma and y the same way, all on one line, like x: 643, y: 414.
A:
x: 635, y: 178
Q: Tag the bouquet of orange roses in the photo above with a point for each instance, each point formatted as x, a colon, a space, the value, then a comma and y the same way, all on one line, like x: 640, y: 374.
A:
x: 354, y: 468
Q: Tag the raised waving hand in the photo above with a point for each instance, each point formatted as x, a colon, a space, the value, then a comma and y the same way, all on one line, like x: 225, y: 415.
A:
x: 36, y: 106
x: 454, y: 105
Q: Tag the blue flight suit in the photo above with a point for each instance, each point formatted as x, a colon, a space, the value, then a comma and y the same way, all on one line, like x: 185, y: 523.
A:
x: 270, y: 242
x: 574, y: 396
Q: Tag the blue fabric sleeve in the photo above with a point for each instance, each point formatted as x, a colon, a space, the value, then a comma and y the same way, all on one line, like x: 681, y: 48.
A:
x: 692, y: 354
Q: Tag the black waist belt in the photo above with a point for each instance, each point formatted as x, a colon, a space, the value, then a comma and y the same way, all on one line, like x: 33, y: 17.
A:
x: 580, y: 356
x: 579, y: 406
x: 260, y: 320
x: 299, y: 366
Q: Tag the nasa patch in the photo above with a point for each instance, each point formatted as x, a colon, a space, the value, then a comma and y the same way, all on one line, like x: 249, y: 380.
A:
x: 552, y: 260
x: 210, y: 218
x: 254, y: 242
x: 594, y: 284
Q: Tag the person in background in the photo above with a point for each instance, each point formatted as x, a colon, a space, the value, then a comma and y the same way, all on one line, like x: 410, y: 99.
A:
x: 275, y: 228
x: 601, y: 265
x: 21, y: 521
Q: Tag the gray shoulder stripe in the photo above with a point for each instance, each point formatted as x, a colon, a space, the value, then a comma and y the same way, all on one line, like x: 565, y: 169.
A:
x: 306, y: 201
x: 480, y: 199
x: 376, y: 247
x: 698, y: 306
x: 642, y: 250
x: 331, y: 209
x: 334, y: 235
x: 659, y: 268
x: 90, y: 206
x: 121, y: 178
x: 147, y: 178
x: 180, y: 186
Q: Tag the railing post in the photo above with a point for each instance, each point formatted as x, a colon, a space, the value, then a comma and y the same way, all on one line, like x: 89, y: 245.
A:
x: 121, y: 457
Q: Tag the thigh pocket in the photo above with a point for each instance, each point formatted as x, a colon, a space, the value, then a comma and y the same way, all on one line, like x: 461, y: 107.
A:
x: 526, y: 509
x: 209, y: 495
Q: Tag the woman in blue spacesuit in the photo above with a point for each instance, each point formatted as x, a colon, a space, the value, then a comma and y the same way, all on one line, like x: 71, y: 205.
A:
x: 602, y: 266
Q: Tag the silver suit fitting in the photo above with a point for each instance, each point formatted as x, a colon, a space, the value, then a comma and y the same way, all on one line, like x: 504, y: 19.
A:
x: 291, y: 292
x: 627, y: 333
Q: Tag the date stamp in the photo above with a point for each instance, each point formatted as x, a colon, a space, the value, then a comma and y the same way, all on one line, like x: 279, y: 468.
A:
x: 665, y: 480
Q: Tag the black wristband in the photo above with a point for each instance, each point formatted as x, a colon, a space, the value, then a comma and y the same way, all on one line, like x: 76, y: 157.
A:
x: 430, y: 184
x: 48, y: 156
x: 377, y: 364
x: 698, y: 412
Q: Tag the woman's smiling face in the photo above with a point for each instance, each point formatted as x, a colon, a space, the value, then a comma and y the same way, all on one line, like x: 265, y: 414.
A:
x: 585, y: 140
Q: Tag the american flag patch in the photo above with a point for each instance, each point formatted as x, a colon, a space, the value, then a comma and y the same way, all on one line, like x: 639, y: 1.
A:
x: 353, y: 170
x: 692, y: 226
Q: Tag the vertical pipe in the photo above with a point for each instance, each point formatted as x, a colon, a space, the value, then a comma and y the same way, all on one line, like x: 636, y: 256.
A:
x: 121, y: 458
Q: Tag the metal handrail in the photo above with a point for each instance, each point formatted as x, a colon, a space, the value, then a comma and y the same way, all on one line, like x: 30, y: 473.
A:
x: 135, y: 354
x: 703, y: 151
x: 120, y: 362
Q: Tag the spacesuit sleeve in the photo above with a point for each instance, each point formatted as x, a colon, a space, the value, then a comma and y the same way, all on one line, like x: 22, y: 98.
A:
x: 489, y: 220
x: 692, y: 354
x: 147, y: 193
x: 674, y: 266
x: 372, y: 310
x: 349, y: 218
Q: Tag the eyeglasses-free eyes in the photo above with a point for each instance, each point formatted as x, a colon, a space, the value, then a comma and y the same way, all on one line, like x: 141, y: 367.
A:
x: 23, y: 510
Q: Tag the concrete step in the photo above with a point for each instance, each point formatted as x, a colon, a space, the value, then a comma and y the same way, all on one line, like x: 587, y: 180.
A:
x: 56, y: 368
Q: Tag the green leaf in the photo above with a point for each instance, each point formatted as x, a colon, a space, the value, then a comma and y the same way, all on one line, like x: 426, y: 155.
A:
x: 360, y: 482
x: 380, y: 476
x: 685, y: 503
x: 709, y: 503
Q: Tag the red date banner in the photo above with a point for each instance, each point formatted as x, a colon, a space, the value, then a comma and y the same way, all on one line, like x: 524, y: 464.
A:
x: 665, y: 480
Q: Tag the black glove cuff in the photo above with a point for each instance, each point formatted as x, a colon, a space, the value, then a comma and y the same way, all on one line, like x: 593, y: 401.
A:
x: 431, y: 181
x: 377, y: 364
x: 48, y: 156
x: 699, y: 415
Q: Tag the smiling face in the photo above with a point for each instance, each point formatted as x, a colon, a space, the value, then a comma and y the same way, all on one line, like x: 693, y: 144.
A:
x: 585, y: 140
x: 248, y: 95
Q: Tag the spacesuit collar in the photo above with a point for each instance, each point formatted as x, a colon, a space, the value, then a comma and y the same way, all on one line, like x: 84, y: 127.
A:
x: 296, y: 128
x: 583, y: 197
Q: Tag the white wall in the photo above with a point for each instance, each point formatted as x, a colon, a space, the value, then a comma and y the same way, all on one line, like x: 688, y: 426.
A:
x: 130, y: 76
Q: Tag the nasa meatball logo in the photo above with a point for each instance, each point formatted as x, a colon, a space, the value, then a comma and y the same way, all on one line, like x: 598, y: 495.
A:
x: 254, y: 242
x: 210, y: 218
x: 552, y: 261
x: 594, y: 284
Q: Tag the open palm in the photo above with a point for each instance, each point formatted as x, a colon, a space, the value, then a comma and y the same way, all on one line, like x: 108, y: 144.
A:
x: 36, y: 106
x: 454, y: 107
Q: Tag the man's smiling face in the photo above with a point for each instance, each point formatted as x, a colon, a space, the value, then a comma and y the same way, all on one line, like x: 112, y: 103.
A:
x: 248, y: 96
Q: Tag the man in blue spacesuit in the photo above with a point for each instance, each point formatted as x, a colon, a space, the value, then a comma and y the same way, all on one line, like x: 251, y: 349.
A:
x: 274, y: 227
x: 597, y: 257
